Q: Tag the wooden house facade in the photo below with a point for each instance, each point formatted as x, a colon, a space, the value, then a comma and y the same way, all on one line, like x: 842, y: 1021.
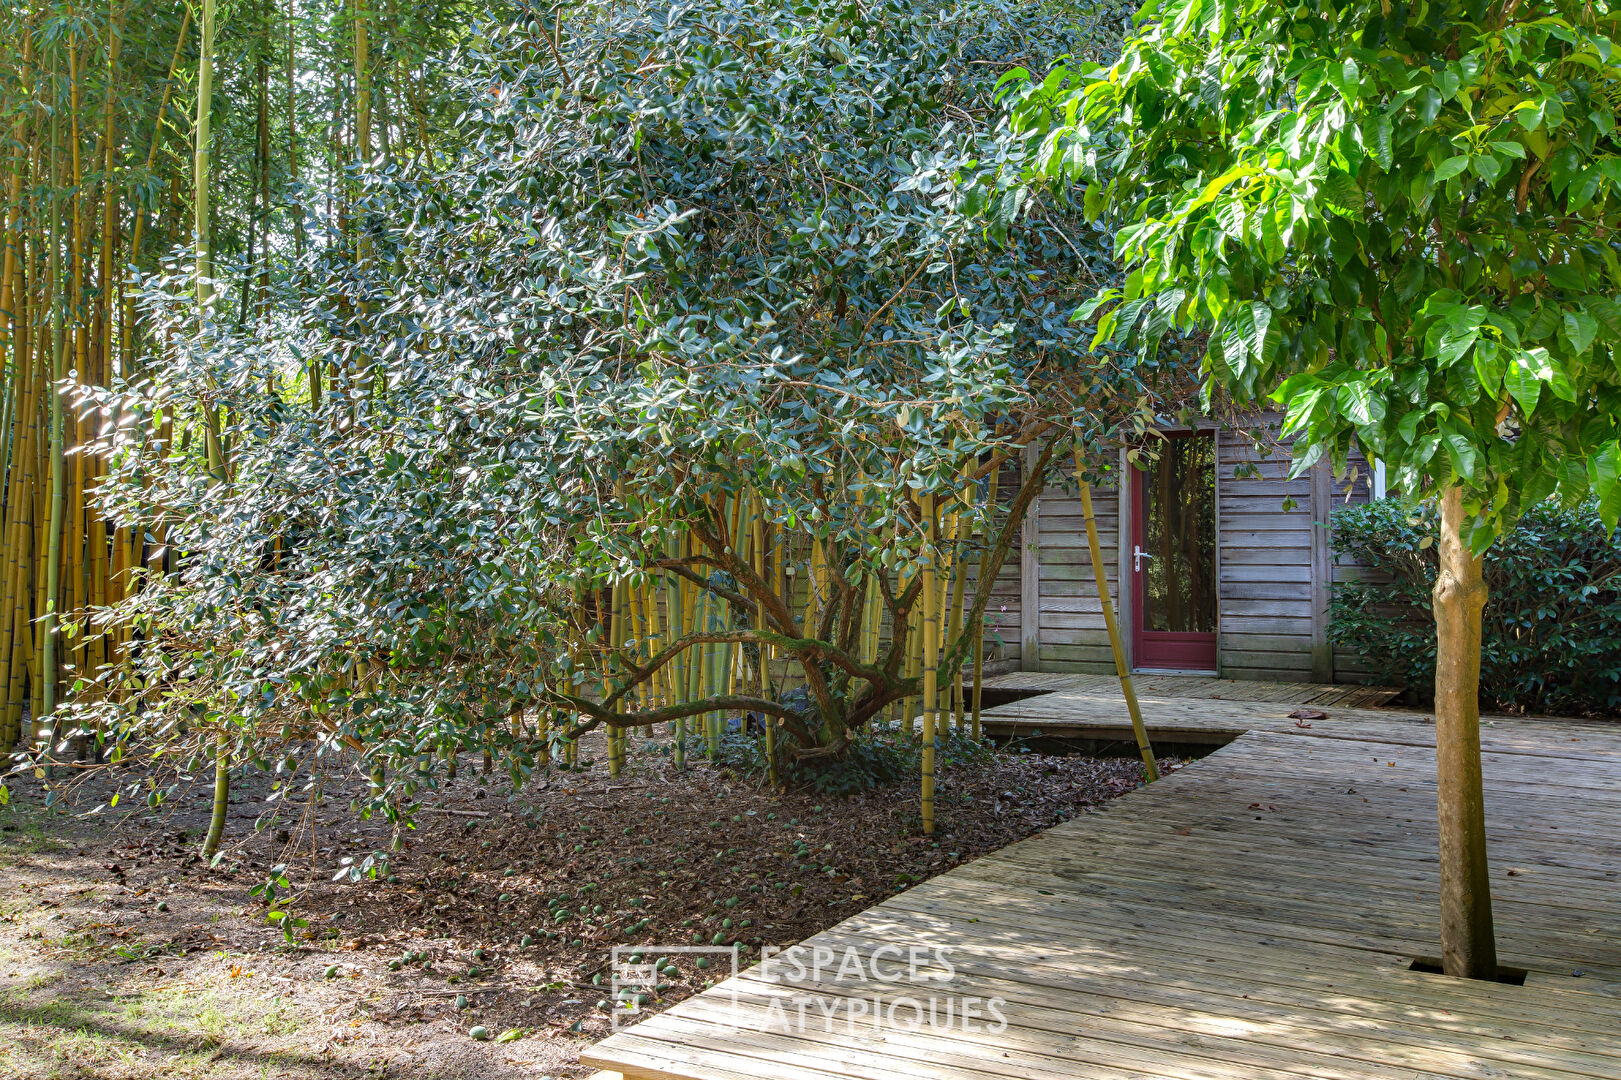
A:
x: 1217, y: 563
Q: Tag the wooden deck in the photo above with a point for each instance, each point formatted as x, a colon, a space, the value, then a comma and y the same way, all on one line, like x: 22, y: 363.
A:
x: 1203, y: 687
x: 1194, y: 709
x: 1254, y: 915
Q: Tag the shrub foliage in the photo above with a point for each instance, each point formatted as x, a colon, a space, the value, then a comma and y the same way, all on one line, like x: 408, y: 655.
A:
x: 1552, y: 625
x: 683, y: 258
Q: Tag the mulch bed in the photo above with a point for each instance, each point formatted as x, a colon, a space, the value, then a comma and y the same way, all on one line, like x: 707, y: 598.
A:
x: 500, y: 909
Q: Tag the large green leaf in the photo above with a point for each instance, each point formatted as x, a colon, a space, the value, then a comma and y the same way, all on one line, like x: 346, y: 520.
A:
x: 1526, y: 372
x: 1578, y: 330
x: 1604, y: 472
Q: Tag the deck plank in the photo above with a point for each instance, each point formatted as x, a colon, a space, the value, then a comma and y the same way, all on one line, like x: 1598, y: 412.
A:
x: 1253, y: 915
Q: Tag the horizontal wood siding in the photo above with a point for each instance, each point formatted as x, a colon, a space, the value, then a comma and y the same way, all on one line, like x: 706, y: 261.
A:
x: 1264, y: 590
x: 1266, y: 584
x: 1073, y: 637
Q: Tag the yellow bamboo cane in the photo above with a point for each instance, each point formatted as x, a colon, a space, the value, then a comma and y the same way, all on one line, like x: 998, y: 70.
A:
x: 930, y: 658
x: 19, y: 534
x: 959, y: 588
x: 813, y: 598
x: 1122, y: 669
x: 616, y: 633
x: 675, y: 620
x: 914, y: 657
x: 637, y: 633
x: 757, y: 554
x: 979, y: 623
x: 945, y: 530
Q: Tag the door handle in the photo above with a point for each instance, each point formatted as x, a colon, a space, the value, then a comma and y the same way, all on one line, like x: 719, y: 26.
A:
x: 1137, y: 557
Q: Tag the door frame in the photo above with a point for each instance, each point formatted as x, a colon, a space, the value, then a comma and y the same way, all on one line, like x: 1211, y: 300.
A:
x: 1171, y: 650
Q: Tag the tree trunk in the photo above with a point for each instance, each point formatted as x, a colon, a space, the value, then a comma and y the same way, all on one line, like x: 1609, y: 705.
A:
x: 1468, y: 949
x: 222, y: 800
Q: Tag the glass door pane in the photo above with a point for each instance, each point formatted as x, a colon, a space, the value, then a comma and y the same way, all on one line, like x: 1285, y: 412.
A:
x: 1179, y: 539
x: 1173, y: 556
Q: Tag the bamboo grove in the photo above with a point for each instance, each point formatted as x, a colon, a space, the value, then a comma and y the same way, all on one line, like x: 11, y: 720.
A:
x: 116, y: 145
x: 384, y: 385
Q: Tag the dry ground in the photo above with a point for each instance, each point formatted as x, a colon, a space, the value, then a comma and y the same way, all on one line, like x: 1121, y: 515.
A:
x: 122, y: 955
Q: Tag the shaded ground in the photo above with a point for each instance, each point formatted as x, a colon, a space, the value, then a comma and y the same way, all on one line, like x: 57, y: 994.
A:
x: 122, y: 955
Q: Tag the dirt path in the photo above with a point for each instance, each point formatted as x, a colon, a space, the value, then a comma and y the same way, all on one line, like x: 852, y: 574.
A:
x: 122, y: 955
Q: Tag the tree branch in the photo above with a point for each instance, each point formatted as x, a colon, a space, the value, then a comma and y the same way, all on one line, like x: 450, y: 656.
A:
x: 677, y: 567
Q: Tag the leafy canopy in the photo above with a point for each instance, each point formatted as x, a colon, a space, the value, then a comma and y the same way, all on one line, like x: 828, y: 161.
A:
x: 683, y: 256
x: 1397, y: 220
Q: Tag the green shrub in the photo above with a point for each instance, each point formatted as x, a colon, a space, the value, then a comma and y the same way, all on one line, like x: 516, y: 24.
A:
x: 1551, y: 633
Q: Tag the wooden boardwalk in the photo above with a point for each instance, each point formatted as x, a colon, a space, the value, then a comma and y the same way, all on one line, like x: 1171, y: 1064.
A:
x: 1254, y: 915
x: 1203, y: 687
x: 1194, y: 709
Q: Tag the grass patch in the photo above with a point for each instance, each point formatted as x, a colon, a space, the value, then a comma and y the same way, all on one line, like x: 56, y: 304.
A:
x: 182, y: 1030
x: 22, y: 834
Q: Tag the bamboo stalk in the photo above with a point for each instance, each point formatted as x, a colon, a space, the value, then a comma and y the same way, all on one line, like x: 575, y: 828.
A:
x: 1122, y: 669
x: 40, y: 460
x: 695, y: 661
x: 14, y: 198
x: 201, y: 158
x: 931, y: 656
x: 979, y: 622
x: 362, y: 84
x: 763, y: 654
x: 641, y: 626
x: 40, y: 463
x: 262, y: 159
x: 205, y: 293
x: 959, y: 587
x: 110, y: 201
x: 662, y: 635
x: 914, y: 663
x: 73, y: 522
x: 714, y: 672
x: 616, y: 633
x: 44, y: 719
x: 676, y: 616
x: 15, y: 313
x: 19, y: 538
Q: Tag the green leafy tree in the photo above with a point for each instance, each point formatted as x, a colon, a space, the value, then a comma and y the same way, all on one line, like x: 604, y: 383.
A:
x: 1397, y: 221
x: 680, y: 261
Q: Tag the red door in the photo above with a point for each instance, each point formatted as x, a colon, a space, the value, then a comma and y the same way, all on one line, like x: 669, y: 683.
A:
x: 1173, y: 556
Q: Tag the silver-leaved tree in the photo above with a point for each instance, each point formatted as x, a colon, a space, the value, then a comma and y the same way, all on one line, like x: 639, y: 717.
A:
x: 657, y: 396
